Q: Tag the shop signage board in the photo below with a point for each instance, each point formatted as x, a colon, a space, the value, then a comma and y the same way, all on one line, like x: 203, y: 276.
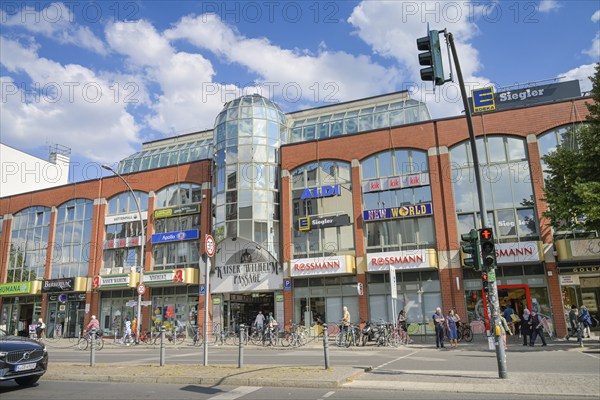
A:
x: 175, y: 236
x: 58, y: 285
x: 121, y: 218
x: 110, y: 281
x: 514, y: 98
x: 15, y: 288
x: 483, y: 99
x: 569, y: 280
x: 177, y: 211
x: 579, y: 270
x: 402, y: 260
x: 122, y: 242
x: 323, y: 191
x: 171, y: 277
x: 397, y: 182
x: 331, y: 265
x: 246, y: 277
x: 393, y: 283
x: 518, y: 252
x: 317, y: 222
x: 413, y: 210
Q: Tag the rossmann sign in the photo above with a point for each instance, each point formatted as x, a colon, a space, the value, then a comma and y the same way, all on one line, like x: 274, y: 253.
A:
x: 333, y: 265
x: 402, y: 260
x: 518, y: 252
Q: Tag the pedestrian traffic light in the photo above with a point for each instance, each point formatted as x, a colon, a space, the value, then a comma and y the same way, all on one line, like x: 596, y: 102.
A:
x: 432, y: 57
x: 488, y: 249
x: 485, y: 283
x: 470, y: 246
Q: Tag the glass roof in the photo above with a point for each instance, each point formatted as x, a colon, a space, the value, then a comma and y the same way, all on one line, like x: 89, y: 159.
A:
x: 167, y: 156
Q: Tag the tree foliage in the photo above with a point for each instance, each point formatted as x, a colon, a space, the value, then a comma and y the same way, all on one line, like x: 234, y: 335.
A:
x: 573, y: 186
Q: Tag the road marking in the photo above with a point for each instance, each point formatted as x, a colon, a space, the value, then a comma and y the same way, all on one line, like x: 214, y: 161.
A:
x: 236, y: 393
x: 326, y: 395
x: 397, y: 359
x: 591, y: 355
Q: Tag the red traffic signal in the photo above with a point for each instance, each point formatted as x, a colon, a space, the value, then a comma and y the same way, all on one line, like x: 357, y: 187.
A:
x: 486, y: 234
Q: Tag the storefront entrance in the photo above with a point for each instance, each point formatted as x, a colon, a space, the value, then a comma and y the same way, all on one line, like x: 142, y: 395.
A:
x: 243, y: 308
x: 20, y: 312
x: 65, y: 316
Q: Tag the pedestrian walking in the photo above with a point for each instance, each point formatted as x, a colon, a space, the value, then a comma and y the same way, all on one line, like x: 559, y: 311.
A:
x: 259, y: 322
x: 525, y: 327
x: 134, y: 328
x: 586, y: 320
x: 537, y: 328
x: 126, y: 330
x: 39, y: 328
x: 403, y: 324
x: 573, y: 322
x: 439, y: 322
x: 452, y: 333
x: 504, y: 329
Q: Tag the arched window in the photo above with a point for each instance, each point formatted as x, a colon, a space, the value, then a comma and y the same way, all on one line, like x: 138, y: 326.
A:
x: 507, y: 187
x: 29, y: 244
x: 322, y: 189
x: 72, y: 239
x: 397, y: 178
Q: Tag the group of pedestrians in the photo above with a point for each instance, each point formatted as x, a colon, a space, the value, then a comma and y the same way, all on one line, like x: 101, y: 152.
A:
x: 449, y: 323
x: 580, y: 322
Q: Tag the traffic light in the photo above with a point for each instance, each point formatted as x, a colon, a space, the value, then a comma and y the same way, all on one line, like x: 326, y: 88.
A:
x: 470, y: 246
x: 488, y: 248
x: 485, y: 283
x: 432, y: 57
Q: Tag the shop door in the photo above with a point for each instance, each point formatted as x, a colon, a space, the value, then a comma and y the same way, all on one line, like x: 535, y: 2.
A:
x: 312, y: 311
x: 517, y: 296
x: 73, y: 319
x: 590, y: 298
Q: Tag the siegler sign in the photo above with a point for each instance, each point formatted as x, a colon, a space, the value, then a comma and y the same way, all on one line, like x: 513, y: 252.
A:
x: 58, y: 285
x: 244, y: 266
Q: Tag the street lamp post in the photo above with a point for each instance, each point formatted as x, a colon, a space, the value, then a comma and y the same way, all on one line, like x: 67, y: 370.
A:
x: 143, y: 241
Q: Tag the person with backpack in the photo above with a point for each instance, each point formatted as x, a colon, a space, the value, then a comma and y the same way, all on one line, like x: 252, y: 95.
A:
x: 537, y: 329
x: 586, y: 319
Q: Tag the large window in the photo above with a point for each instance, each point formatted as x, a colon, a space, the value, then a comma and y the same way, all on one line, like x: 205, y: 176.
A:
x: 122, y: 241
x: 184, y: 254
x: 402, y: 179
x: 72, y: 243
x: 29, y: 244
x: 506, y: 184
x: 318, y: 178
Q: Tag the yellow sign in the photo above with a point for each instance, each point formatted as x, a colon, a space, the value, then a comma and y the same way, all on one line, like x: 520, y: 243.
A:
x: 483, y: 99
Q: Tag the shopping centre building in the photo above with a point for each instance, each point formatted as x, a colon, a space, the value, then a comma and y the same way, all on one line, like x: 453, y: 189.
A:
x: 358, y: 204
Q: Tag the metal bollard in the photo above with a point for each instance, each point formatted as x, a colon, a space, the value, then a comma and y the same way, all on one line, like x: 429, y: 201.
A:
x: 241, y: 347
x: 93, y: 348
x: 162, y: 346
x: 580, y: 334
x: 326, y: 346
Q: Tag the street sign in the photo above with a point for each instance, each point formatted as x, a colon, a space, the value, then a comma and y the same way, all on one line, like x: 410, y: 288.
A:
x: 131, y: 303
x: 202, y: 290
x: 141, y: 289
x: 209, y: 245
x: 146, y: 303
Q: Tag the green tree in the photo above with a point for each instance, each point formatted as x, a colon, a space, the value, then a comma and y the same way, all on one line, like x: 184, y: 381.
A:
x: 573, y: 186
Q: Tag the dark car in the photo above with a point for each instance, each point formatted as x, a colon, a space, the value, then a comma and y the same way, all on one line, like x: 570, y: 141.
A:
x: 21, y: 359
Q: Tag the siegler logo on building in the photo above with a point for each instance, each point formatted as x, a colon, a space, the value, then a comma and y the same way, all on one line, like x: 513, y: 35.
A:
x: 58, y: 285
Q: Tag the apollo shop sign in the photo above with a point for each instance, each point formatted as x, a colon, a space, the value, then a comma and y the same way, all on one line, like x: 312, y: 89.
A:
x: 397, y: 182
x: 175, y: 236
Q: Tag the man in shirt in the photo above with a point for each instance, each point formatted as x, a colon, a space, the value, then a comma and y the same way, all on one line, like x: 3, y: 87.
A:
x: 259, y: 322
x: 439, y: 320
x: 93, y: 324
x: 346, y: 318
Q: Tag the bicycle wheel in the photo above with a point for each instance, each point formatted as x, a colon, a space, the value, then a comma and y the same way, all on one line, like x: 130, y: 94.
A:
x: 287, y: 339
x: 178, y: 338
x: 467, y: 334
x: 99, y: 343
x: 256, y: 338
x: 82, y: 344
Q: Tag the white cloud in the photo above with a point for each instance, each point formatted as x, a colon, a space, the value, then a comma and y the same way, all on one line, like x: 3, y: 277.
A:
x: 69, y: 104
x: 596, y: 16
x: 548, y: 5
x: 392, y: 28
x: 582, y: 74
x: 56, y: 22
x: 594, y: 50
x: 187, y: 99
x: 339, y: 75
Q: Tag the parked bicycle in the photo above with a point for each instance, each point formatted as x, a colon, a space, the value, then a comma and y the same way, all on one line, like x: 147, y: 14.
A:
x: 86, y: 341
x: 348, y: 336
x: 295, y: 337
x: 464, y: 332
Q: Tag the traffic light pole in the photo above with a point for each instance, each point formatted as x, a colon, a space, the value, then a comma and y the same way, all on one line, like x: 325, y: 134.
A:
x: 493, y: 301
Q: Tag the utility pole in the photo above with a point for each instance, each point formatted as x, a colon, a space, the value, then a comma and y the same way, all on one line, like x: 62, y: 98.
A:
x: 434, y: 72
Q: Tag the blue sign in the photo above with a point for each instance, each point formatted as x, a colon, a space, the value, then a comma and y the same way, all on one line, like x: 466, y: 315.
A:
x: 398, y: 212
x: 287, y: 285
x: 323, y: 191
x: 202, y: 290
x: 483, y: 99
x: 175, y: 236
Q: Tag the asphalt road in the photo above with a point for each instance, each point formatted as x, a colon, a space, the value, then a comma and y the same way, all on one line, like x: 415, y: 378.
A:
x: 111, y: 391
x: 556, y: 358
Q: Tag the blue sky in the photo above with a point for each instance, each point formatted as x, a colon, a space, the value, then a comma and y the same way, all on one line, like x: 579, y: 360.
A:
x: 101, y: 78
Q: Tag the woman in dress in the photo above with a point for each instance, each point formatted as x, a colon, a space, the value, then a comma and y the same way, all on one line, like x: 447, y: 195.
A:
x: 525, y: 327
x: 451, y: 324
